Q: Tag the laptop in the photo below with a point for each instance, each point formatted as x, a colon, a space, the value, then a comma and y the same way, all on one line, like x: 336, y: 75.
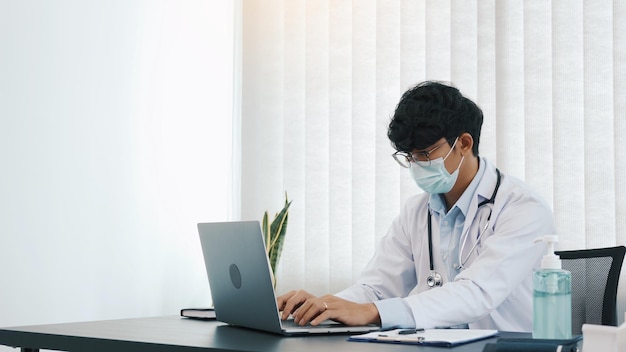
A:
x: 241, y: 286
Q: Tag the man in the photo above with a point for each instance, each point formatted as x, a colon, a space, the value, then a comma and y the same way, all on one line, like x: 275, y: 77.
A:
x: 460, y: 253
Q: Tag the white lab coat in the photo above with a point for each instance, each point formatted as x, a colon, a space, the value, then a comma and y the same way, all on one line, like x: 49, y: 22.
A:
x: 493, y: 291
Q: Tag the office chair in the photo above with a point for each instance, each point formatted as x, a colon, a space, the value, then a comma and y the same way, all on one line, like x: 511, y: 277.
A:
x: 595, y: 275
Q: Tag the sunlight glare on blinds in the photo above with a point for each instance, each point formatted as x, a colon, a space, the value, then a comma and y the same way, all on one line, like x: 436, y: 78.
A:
x: 322, y: 78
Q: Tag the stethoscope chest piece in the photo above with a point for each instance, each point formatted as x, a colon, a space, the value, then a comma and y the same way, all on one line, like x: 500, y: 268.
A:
x: 434, y: 280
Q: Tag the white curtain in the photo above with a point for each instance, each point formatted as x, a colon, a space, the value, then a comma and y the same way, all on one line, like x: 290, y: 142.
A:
x: 320, y: 80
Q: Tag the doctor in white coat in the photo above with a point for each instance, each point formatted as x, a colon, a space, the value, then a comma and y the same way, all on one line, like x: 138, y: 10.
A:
x: 460, y: 254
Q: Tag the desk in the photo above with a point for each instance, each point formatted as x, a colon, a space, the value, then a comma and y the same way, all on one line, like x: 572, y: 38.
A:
x: 176, y: 334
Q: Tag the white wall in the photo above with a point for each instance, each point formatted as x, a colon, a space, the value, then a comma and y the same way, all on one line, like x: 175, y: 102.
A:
x: 115, y: 140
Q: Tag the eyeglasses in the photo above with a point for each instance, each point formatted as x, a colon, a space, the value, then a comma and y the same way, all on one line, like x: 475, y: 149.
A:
x: 406, y: 159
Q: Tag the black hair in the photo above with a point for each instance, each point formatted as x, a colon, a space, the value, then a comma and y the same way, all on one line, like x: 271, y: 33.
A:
x: 430, y: 111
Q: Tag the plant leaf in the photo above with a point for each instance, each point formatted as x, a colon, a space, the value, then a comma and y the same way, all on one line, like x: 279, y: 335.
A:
x: 266, y: 231
x: 277, y: 231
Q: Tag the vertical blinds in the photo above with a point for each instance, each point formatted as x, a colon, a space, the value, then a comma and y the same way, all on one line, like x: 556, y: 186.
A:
x: 320, y: 80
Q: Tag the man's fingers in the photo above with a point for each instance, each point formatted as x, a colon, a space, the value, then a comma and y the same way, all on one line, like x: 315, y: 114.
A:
x: 316, y: 311
x: 325, y: 314
x: 282, y: 299
x: 293, y: 302
x: 311, y: 310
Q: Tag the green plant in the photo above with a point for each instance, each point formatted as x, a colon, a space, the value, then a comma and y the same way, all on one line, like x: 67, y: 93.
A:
x: 274, y: 233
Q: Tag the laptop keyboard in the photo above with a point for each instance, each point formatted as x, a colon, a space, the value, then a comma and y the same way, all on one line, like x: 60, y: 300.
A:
x: 289, y: 323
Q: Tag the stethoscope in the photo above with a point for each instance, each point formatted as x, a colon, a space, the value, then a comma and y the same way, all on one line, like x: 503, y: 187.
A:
x: 435, y: 279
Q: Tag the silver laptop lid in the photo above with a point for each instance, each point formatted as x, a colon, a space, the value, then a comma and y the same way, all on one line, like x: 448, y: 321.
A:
x: 241, y: 285
x: 239, y: 274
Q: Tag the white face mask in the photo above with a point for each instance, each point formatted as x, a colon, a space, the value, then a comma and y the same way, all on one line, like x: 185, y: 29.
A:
x: 435, y: 178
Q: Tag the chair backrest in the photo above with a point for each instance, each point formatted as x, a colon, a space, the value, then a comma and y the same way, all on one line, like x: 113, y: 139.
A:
x: 595, y: 276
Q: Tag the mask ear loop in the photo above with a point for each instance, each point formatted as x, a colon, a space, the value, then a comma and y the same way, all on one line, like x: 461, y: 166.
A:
x: 447, y: 155
x: 451, y: 149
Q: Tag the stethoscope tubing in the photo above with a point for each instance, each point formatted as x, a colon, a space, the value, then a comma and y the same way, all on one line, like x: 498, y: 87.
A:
x: 434, y: 279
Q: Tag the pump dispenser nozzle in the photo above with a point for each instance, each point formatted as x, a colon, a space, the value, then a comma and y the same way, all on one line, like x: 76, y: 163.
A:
x: 550, y: 260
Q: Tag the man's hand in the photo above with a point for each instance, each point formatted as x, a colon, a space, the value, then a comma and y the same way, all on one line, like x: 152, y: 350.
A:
x: 308, y: 309
x: 290, y: 301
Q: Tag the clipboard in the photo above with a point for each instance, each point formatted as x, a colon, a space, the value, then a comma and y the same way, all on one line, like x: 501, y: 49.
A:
x: 427, y: 337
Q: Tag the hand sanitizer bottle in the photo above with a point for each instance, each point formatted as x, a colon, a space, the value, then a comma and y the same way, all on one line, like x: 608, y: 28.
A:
x: 552, y: 296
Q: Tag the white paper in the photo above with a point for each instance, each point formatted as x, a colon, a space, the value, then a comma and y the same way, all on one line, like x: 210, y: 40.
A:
x: 449, y: 337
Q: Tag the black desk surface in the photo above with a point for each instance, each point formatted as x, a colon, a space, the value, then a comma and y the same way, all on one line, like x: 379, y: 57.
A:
x: 173, y: 333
